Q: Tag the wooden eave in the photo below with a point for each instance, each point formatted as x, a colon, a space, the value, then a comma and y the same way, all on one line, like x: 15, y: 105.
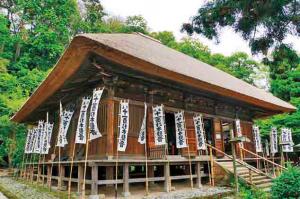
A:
x: 79, y: 50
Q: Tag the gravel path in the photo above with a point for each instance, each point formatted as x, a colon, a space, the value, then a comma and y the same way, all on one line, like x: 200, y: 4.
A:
x: 22, y: 190
x: 195, y: 193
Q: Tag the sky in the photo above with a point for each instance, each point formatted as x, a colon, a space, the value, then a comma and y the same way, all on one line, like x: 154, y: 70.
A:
x: 169, y: 15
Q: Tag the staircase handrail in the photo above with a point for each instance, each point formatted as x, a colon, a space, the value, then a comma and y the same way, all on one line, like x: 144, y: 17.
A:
x: 261, y: 157
x: 241, y: 162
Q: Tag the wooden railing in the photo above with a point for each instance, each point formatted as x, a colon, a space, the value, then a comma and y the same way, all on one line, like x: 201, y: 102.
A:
x: 274, y: 165
x: 251, y: 168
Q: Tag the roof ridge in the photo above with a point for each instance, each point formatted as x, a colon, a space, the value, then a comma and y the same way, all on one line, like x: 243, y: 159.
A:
x: 147, y: 36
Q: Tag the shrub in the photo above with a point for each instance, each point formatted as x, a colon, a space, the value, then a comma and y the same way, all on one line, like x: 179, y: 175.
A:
x: 287, y: 185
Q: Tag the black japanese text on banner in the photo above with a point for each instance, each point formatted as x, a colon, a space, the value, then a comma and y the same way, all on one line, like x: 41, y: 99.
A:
x: 28, y: 140
x: 142, y: 134
x: 180, y: 130
x: 94, y: 130
x: 81, y: 127
x: 239, y: 131
x: 159, y: 125
x: 38, y: 141
x: 123, y: 125
x: 286, y: 140
x: 199, y: 131
x: 267, y: 148
x: 33, y: 140
x: 257, y: 139
x: 273, y: 141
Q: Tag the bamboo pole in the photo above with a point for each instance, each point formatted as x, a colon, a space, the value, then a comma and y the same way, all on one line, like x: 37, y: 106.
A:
x: 71, y: 170
x: 166, y: 150
x: 117, y: 153
x: 85, y: 161
x: 146, y: 165
x: 212, y: 167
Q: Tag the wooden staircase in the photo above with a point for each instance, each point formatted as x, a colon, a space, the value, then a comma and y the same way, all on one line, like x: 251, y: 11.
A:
x: 248, y: 173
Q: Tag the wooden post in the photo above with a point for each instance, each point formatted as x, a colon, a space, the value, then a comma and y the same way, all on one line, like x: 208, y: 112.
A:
x: 167, y: 184
x: 49, y: 175
x: 43, y: 170
x: 85, y: 162
x: 71, y: 171
x: 80, y: 178
x: 250, y: 176
x: 198, y: 171
x: 39, y: 173
x: 60, y: 178
x: 94, y: 186
x: 234, y: 163
x: 212, y: 167
x: 126, y: 192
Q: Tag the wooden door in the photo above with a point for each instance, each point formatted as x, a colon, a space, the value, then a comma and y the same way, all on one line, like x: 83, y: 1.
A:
x: 154, y: 152
x: 191, y: 136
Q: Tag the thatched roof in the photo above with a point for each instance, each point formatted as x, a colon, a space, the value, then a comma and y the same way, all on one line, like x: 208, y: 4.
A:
x: 149, y: 56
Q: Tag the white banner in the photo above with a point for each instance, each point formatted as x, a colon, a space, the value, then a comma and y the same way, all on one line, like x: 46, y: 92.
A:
x: 273, y: 141
x: 286, y: 137
x: 38, y: 141
x: 123, y: 125
x: 239, y: 131
x: 28, y: 141
x: 33, y: 140
x: 199, y: 131
x: 180, y: 130
x: 159, y: 125
x: 257, y: 139
x: 267, y: 148
x: 81, y: 127
x: 94, y: 130
x: 50, y: 130
x: 142, y: 135
x: 44, y: 146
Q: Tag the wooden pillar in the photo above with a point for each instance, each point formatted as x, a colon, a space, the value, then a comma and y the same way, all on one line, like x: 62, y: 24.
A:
x: 167, y: 185
x: 49, y: 175
x: 94, y: 186
x: 109, y: 174
x: 61, y: 175
x: 126, y: 192
x: 218, y: 136
x: 198, y: 171
x: 38, y: 178
x: 80, y: 178
x: 151, y: 173
x: 110, y: 126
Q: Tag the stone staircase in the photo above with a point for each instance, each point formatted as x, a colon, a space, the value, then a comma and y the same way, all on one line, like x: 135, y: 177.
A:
x: 248, y: 173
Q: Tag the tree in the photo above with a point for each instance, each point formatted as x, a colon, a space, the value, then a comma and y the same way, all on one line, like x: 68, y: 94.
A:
x: 136, y: 23
x: 262, y: 23
x: 285, y: 83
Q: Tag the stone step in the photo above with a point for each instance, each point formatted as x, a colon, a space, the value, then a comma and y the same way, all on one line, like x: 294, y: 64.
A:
x: 262, y: 181
x: 254, y: 177
x: 264, y: 185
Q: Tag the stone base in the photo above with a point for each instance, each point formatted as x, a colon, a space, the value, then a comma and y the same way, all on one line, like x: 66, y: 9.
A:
x: 100, y: 196
x: 126, y: 194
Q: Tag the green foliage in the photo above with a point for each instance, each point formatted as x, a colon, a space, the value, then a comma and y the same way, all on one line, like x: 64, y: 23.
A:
x: 262, y: 23
x: 285, y: 84
x: 287, y: 185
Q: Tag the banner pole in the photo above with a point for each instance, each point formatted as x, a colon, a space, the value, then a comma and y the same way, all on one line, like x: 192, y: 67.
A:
x: 167, y: 150
x: 85, y: 161
x: 117, y: 153
x: 146, y: 154
x: 71, y: 170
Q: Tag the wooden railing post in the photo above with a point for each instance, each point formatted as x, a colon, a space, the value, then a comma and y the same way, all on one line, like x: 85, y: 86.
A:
x: 250, y: 176
x: 212, y: 167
